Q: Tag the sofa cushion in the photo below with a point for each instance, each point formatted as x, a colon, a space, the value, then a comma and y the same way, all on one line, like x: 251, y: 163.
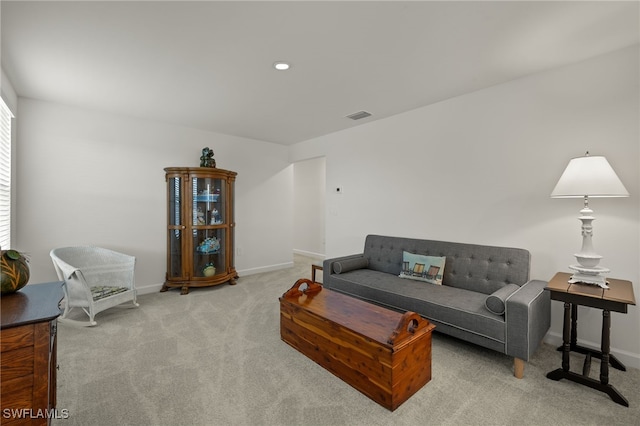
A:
x: 350, y: 265
x: 459, y: 308
x: 495, y: 301
x: 422, y: 268
x: 472, y: 267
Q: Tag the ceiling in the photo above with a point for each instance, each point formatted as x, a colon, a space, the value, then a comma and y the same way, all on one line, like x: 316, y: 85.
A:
x: 208, y: 64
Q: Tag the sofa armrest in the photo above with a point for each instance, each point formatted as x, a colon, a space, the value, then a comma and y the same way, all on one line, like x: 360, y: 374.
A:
x: 327, y: 267
x: 527, y: 319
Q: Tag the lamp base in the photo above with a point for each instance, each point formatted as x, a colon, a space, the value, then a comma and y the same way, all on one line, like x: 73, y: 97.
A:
x: 589, y: 275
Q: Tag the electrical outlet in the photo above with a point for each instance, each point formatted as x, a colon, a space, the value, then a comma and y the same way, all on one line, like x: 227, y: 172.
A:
x: 238, y: 251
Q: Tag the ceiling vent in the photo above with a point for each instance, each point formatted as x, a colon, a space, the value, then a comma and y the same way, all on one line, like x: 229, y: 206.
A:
x: 359, y: 115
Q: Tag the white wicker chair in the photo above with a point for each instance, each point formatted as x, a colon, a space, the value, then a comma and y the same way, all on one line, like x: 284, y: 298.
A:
x: 94, y: 278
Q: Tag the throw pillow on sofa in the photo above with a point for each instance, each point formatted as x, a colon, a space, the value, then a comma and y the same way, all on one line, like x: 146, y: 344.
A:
x: 495, y: 301
x: 422, y: 268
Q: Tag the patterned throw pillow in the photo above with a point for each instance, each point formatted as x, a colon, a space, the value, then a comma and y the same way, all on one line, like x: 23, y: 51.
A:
x: 422, y: 268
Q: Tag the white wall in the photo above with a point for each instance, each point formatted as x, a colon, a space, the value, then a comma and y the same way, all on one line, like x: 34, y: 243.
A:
x: 93, y: 178
x: 309, y: 178
x: 479, y: 168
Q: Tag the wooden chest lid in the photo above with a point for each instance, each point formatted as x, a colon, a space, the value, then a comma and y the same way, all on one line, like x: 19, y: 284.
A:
x: 387, y: 327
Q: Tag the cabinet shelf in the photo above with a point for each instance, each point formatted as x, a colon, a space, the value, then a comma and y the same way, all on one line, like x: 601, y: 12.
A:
x: 212, y: 198
x: 200, y: 215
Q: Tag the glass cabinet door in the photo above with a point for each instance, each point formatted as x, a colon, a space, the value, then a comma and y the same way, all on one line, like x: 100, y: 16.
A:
x: 175, y: 227
x: 209, y: 201
x: 208, y: 219
x: 208, y: 249
x: 232, y: 226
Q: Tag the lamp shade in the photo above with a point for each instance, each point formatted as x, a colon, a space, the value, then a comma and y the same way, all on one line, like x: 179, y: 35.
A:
x: 590, y: 176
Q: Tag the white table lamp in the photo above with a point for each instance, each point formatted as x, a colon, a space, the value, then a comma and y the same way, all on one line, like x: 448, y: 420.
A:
x: 584, y: 177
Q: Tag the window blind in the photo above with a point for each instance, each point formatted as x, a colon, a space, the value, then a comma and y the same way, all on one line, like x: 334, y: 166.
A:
x: 5, y: 175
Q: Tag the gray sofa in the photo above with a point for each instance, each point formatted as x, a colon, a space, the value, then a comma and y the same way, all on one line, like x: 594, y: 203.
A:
x: 486, y: 296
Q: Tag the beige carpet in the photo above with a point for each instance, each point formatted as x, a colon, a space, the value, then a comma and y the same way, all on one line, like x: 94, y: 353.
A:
x: 214, y: 357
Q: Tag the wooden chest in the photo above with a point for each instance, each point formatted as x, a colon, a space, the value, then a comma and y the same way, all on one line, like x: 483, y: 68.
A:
x: 384, y: 354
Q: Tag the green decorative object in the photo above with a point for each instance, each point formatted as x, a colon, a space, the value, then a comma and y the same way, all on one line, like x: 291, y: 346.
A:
x: 15, y: 271
x: 209, y: 270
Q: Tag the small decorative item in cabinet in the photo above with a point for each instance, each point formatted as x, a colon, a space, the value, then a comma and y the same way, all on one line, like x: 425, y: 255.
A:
x: 209, y: 270
x: 200, y: 227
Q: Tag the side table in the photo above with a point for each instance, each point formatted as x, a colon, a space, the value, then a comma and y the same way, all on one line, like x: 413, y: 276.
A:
x: 315, y: 266
x: 616, y: 298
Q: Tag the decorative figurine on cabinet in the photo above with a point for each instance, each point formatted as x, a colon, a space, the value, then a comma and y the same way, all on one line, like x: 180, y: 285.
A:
x: 206, y: 159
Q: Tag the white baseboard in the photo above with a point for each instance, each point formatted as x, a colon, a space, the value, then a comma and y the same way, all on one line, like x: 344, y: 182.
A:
x: 262, y: 269
x: 309, y: 254
x: 149, y: 288
x: 153, y: 288
x: 629, y: 359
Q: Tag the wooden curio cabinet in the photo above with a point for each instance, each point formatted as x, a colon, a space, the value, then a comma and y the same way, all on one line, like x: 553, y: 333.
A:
x: 200, y: 227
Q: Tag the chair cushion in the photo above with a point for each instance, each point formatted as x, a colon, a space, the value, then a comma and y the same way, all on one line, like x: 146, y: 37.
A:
x: 100, y: 292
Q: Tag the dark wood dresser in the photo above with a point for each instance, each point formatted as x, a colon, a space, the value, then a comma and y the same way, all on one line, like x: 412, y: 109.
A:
x: 28, y: 354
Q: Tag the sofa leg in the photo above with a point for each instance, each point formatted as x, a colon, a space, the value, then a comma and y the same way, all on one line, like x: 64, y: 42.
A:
x: 518, y: 368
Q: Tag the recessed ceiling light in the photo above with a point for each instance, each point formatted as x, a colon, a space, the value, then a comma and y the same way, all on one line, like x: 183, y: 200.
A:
x: 281, y: 66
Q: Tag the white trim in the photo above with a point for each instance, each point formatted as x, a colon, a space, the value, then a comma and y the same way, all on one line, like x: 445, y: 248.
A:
x: 153, y: 288
x: 309, y: 254
x: 262, y: 269
x: 148, y: 289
